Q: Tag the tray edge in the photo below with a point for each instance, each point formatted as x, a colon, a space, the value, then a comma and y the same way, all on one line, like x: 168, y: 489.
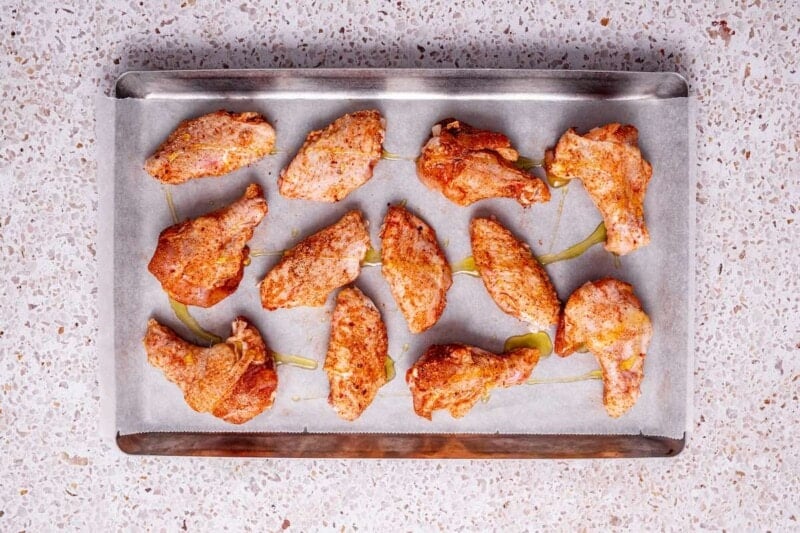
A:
x: 399, y: 446
x: 130, y: 84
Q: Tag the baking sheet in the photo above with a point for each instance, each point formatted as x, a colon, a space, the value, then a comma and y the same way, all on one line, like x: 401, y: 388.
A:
x: 144, y: 401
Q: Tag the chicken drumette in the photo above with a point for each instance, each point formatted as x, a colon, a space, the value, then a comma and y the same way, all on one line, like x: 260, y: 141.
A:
x: 234, y: 380
x: 201, y: 261
x: 466, y: 164
x: 317, y: 265
x: 513, y: 277
x: 456, y: 376
x: 606, y: 318
x: 357, y: 353
x: 335, y: 161
x: 211, y: 145
x: 608, y: 162
x: 415, y: 268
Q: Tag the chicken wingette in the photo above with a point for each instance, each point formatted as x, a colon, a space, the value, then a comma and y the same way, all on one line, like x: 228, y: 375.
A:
x: 357, y: 352
x: 335, y: 161
x: 513, y: 277
x: 414, y: 267
x: 211, y: 145
x: 317, y: 265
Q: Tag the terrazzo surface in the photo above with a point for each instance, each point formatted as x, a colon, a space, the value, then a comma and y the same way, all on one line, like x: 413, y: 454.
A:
x: 739, y: 470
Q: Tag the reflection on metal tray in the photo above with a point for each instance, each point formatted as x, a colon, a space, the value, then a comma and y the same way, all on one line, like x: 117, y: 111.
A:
x: 518, y: 102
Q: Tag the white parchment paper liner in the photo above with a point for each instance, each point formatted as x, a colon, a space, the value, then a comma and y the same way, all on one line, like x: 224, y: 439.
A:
x: 137, y: 398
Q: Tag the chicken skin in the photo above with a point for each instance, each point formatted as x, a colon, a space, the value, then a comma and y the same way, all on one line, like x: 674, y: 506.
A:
x: 415, y: 268
x: 608, y: 162
x: 456, y: 376
x: 335, y: 161
x: 201, y: 261
x: 466, y: 165
x: 211, y: 145
x: 606, y: 318
x: 317, y: 265
x: 234, y: 380
x: 513, y: 277
x: 357, y: 353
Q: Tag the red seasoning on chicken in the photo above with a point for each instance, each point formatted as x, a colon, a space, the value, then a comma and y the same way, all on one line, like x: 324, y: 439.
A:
x: 211, y: 145
x: 456, y: 376
x: 357, y: 352
x: 606, y: 318
x: 234, y: 380
x: 610, y: 165
x: 317, y: 265
x: 415, y: 268
x: 515, y: 280
x: 466, y: 165
x: 201, y: 261
x: 335, y: 161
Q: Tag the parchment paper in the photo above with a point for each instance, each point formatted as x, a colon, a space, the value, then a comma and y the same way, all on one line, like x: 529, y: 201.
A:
x: 140, y: 399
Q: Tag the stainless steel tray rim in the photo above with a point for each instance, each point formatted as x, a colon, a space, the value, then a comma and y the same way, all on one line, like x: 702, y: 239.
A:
x: 636, y: 85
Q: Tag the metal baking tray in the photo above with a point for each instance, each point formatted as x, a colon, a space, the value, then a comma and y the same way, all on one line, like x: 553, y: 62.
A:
x: 508, y: 95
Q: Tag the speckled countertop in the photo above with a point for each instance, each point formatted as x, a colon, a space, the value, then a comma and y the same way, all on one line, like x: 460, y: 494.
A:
x: 740, y: 468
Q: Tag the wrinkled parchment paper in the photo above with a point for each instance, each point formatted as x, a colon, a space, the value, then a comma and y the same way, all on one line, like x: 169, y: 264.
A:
x: 137, y: 397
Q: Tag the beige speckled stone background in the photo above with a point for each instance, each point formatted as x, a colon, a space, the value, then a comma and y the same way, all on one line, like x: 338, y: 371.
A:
x: 740, y: 468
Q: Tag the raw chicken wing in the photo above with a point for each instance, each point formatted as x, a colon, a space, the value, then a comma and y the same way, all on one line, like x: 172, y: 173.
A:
x: 335, y: 161
x: 211, y: 145
x: 606, y: 318
x: 467, y: 164
x: 513, y: 277
x: 456, y: 376
x: 317, y: 265
x: 234, y: 380
x: 201, y: 261
x: 608, y: 162
x: 357, y: 353
x: 415, y: 268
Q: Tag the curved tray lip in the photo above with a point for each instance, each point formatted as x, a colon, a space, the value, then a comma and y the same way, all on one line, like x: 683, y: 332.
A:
x: 670, y: 84
x: 398, y: 446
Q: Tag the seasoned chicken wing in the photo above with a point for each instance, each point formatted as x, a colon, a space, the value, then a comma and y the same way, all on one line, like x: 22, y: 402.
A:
x: 335, y: 161
x: 357, y: 353
x: 466, y: 164
x: 606, y: 318
x: 234, y: 380
x: 513, y: 277
x: 456, y: 376
x: 608, y: 162
x: 415, y: 268
x: 317, y: 265
x: 211, y: 145
x: 201, y: 261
